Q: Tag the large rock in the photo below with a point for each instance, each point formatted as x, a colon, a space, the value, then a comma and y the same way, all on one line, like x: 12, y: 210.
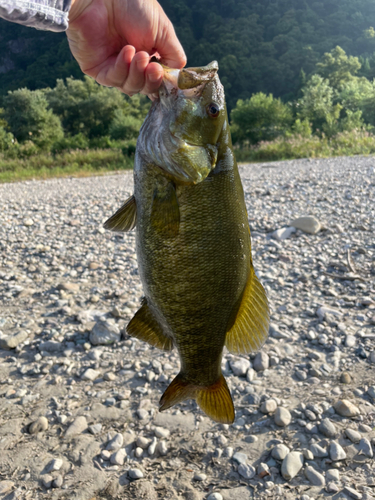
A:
x: 308, y: 224
x: 291, y: 465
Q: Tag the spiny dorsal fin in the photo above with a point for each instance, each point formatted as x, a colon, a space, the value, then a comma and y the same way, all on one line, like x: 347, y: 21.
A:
x: 250, y: 328
x: 144, y: 326
x: 125, y: 218
x: 165, y: 212
x: 215, y: 400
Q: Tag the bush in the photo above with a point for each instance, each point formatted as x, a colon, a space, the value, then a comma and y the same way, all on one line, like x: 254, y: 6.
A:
x: 78, y: 141
x: 124, y: 126
x: 262, y: 117
x: 29, y: 119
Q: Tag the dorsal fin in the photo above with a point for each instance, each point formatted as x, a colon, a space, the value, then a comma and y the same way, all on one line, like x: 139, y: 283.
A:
x: 125, y: 218
x: 144, y: 326
x: 250, y: 328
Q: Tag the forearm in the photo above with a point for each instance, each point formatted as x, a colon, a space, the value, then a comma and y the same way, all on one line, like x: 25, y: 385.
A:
x: 51, y: 15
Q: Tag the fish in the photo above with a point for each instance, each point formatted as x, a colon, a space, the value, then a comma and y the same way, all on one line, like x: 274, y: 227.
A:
x: 193, y: 242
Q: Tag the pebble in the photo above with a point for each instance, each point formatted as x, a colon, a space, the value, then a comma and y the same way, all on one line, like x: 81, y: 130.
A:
x: 346, y: 409
x: 55, y: 464
x: 118, y: 457
x: 268, y: 406
x: 47, y: 480
x: 135, y: 473
x: 143, y: 442
x: 279, y: 452
x: 352, y: 493
x: 215, y: 496
x: 247, y: 471
x: 327, y: 428
x: 162, y: 433
x: 350, y: 341
x: 353, y: 435
x: 332, y: 475
x: 40, y: 425
x: 261, y: 361
x: 240, y: 366
x: 142, y: 414
x: 115, y: 443
x: 345, y: 378
x: 291, y: 465
x: 90, y: 374
x: 371, y: 391
x: 199, y: 476
x: 58, y: 481
x: 307, y: 224
x: 314, y: 476
x: 282, y: 417
x: 318, y: 451
x: 79, y: 425
x: 95, y: 428
x: 104, y: 333
x: 366, y: 448
x: 336, y: 451
x: 239, y: 457
x: 283, y: 233
x: 162, y: 448
x: 8, y: 342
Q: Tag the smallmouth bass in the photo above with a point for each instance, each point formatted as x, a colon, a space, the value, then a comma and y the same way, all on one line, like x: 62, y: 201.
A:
x: 193, y: 240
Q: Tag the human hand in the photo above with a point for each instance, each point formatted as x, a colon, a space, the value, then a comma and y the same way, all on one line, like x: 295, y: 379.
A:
x: 112, y: 41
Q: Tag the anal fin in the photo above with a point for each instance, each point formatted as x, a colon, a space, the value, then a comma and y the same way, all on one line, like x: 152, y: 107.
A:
x: 125, y: 218
x: 165, y: 212
x: 215, y: 400
x: 250, y: 328
x: 144, y: 326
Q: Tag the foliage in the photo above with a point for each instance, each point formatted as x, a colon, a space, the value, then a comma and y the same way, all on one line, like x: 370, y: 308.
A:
x: 29, y: 118
x: 88, y: 108
x: 338, y: 68
x: 354, y: 142
x: 261, y: 46
x: 262, y: 117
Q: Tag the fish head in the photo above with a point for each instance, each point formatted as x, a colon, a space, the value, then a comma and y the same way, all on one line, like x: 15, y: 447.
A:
x: 181, y: 133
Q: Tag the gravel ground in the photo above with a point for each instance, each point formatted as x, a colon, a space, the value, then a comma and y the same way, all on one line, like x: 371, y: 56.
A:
x: 78, y: 403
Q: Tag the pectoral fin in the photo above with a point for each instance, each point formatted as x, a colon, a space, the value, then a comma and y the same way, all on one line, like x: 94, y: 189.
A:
x: 125, y: 218
x: 165, y: 212
x: 250, y: 328
x: 144, y: 326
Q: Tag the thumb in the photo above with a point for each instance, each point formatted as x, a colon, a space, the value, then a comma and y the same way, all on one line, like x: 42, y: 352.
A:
x: 168, y: 46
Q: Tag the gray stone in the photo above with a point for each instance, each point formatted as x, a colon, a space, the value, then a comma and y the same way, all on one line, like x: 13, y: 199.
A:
x: 346, y: 408
x: 307, y: 224
x: 314, y: 476
x: 268, y: 406
x: 371, y: 391
x: 291, y: 465
x: 215, y: 496
x: 352, y: 493
x: 350, y: 341
x: 135, y: 473
x: 8, y: 342
x: 327, y: 428
x: 336, y: 451
x: 162, y: 433
x: 282, y: 417
x: 283, y: 233
x: 199, y: 476
x: 366, y: 448
x: 240, y: 366
x: 247, y: 471
x: 104, y: 333
x: 47, y: 480
x: 90, y: 374
x: 280, y: 451
x: 118, y: 457
x: 58, y: 481
x: 115, y: 443
x: 318, y: 451
x: 239, y: 457
x: 353, y: 435
x: 6, y: 486
x: 95, y: 429
x: 332, y: 475
x: 55, y: 464
x: 79, y: 425
x: 261, y: 361
x: 40, y: 425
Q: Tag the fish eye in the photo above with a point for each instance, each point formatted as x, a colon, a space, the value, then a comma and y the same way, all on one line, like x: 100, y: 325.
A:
x: 213, y: 110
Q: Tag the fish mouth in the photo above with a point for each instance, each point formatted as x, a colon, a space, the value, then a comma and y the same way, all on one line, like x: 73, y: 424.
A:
x: 189, y: 82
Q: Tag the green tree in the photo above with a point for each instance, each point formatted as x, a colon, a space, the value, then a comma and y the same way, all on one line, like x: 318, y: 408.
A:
x: 260, y: 118
x: 338, y: 68
x: 29, y: 118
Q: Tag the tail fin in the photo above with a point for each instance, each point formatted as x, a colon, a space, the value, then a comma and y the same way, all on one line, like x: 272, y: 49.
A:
x: 215, y: 400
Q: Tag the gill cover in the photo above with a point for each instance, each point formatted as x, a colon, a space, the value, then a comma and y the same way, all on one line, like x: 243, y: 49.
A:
x: 180, y: 134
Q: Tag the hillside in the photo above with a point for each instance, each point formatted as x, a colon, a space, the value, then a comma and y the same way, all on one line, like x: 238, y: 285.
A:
x: 260, y: 46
